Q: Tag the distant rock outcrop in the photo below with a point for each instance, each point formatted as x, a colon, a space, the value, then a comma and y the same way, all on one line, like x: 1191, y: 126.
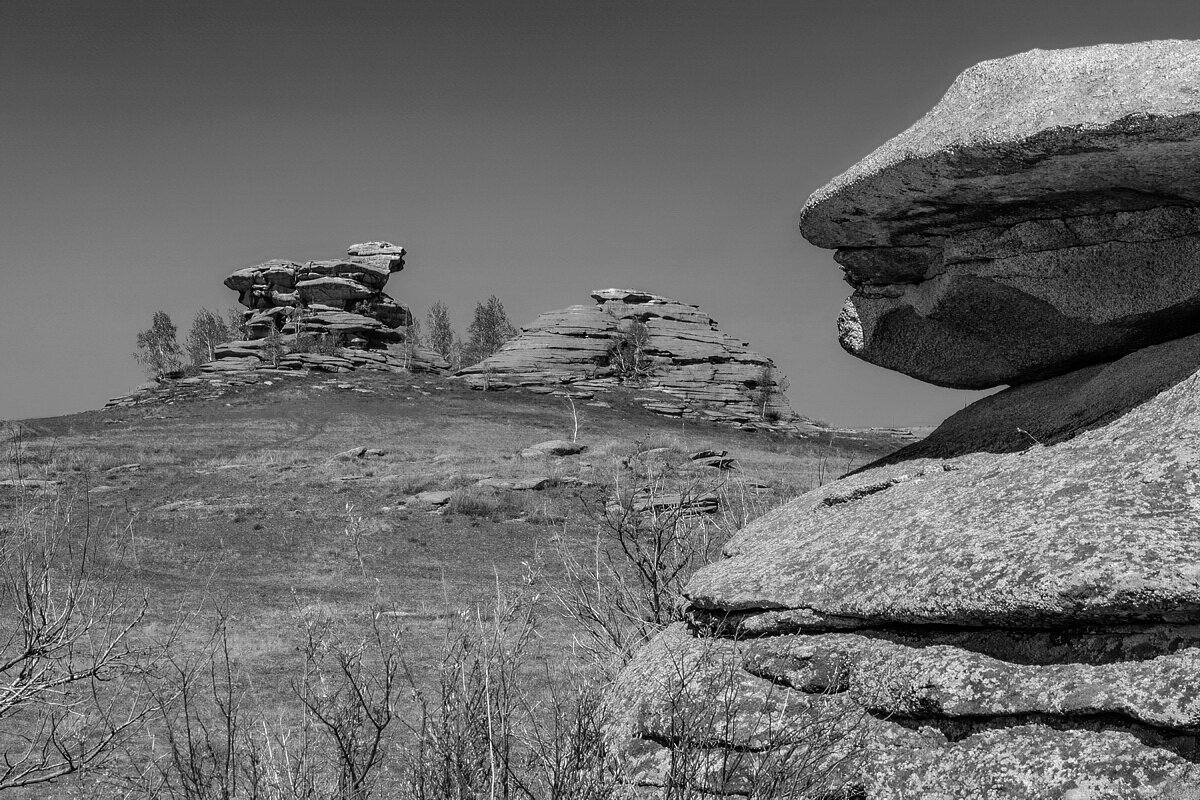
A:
x: 1011, y: 607
x: 329, y: 315
x: 652, y: 343
x: 1043, y: 216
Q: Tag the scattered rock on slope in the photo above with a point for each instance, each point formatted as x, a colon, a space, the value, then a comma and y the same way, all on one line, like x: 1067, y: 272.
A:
x: 640, y: 339
x: 553, y: 447
x: 1041, y: 217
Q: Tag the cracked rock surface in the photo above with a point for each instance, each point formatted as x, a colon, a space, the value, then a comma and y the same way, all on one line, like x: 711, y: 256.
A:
x: 1040, y: 218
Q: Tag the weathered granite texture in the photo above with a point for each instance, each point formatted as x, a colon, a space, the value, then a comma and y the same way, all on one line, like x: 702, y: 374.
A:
x: 1009, y: 608
x: 701, y: 371
x: 1041, y: 217
x: 338, y: 304
x: 1014, y: 602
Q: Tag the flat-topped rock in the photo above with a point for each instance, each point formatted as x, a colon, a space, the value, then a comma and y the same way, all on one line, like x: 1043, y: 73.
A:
x: 380, y: 253
x: 1041, y: 217
x: 1090, y: 521
x: 636, y: 338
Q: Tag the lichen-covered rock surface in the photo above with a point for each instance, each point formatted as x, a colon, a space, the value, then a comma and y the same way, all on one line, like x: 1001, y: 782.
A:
x: 1041, y: 217
x: 650, y: 343
x: 1009, y: 608
x: 1013, y: 604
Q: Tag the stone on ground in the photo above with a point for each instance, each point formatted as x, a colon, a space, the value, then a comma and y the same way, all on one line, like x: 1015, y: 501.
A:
x: 553, y: 447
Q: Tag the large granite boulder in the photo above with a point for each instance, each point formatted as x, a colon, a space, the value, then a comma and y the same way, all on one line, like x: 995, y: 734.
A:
x: 1043, y: 216
x: 1012, y: 604
x: 653, y: 343
x: 1009, y: 608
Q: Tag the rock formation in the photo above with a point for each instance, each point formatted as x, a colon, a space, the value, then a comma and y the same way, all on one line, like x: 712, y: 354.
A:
x: 1041, y: 217
x: 331, y: 315
x: 641, y: 340
x: 1011, y: 607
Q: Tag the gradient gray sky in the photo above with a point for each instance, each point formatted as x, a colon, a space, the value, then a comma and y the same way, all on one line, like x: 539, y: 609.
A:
x: 534, y: 150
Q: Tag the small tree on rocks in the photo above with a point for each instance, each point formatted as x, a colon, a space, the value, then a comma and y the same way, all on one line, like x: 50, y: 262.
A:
x: 158, y: 346
x: 488, y: 332
x: 627, y: 356
x: 208, y: 331
x: 441, y: 337
x: 273, y: 347
x: 769, y: 385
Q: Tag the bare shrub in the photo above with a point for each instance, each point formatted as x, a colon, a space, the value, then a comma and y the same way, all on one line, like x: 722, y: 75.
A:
x: 727, y: 732
x: 495, y: 726
x: 649, y: 539
x: 628, y: 355
x: 68, y: 662
x: 213, y: 743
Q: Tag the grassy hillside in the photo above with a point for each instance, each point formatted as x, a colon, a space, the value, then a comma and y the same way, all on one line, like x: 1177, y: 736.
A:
x: 245, y: 509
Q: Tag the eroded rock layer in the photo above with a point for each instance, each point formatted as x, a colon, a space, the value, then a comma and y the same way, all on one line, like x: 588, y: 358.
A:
x: 1041, y: 217
x: 1013, y: 602
x: 330, y: 315
x: 641, y: 340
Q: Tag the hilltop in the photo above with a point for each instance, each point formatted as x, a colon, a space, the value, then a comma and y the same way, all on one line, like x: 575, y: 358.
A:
x: 260, y: 501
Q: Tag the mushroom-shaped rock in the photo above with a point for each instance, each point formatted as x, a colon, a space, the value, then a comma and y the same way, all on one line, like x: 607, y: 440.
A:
x: 1043, y: 216
x: 334, y: 296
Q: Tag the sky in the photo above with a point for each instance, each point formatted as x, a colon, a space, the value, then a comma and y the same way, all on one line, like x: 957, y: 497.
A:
x: 532, y: 150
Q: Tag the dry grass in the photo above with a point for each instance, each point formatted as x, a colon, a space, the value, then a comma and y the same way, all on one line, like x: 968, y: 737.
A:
x: 238, y: 515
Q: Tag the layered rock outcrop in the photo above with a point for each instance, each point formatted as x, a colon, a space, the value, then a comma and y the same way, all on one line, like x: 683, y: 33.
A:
x: 652, y: 343
x: 1041, y: 217
x: 1009, y: 608
x: 331, y: 315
